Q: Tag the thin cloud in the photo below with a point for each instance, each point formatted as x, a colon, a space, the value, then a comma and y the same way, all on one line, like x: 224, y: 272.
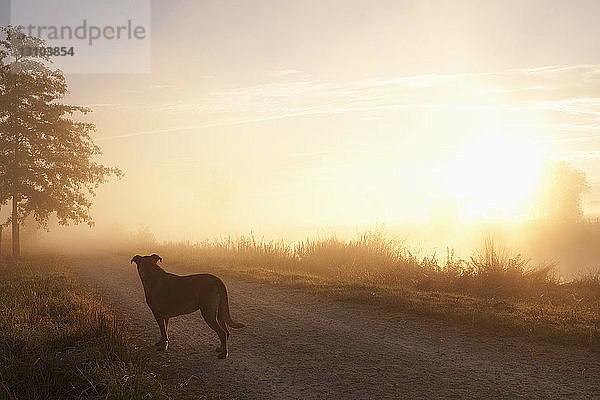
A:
x: 284, y: 72
x: 556, y: 89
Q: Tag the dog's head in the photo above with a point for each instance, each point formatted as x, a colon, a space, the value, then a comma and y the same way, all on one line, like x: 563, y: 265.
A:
x: 139, y: 260
x: 147, y: 267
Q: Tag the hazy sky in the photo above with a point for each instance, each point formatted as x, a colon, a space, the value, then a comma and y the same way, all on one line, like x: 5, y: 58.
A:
x: 266, y: 115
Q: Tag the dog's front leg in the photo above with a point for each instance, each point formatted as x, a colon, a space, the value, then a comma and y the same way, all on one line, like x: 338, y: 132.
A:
x: 163, y: 343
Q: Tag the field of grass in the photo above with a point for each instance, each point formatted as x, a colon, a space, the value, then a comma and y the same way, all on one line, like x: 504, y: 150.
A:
x: 58, y: 342
x: 492, y: 290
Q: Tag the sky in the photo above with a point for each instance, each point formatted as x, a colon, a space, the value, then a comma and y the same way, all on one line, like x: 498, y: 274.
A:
x: 278, y: 115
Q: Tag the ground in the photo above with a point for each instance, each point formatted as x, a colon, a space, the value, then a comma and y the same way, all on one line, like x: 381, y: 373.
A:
x: 298, y: 346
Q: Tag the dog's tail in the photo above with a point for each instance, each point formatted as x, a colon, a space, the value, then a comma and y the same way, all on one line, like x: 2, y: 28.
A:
x: 224, y: 308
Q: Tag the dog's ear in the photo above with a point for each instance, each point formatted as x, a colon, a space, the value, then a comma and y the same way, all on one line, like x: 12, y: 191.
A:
x: 136, y: 258
x: 156, y: 257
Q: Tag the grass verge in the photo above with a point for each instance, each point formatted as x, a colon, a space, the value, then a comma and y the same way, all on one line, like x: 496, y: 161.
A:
x: 59, y: 342
x: 493, y: 290
x: 568, y: 324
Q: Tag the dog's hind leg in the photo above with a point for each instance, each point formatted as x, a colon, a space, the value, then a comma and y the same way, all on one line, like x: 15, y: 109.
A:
x: 211, y: 319
x: 223, y: 326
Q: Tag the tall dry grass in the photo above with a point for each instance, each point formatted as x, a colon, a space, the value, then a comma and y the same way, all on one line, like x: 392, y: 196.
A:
x: 374, y: 258
x: 495, y: 289
x: 59, y: 342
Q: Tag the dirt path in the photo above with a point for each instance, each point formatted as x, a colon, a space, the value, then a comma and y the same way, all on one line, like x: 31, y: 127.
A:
x: 297, y: 347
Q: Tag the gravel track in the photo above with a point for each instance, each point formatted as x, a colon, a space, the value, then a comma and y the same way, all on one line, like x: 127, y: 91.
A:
x: 296, y: 346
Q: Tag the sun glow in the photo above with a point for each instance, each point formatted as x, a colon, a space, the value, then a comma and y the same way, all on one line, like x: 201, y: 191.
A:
x: 494, y: 175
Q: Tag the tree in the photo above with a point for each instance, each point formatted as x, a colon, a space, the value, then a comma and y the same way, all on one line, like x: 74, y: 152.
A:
x: 4, y: 151
x: 560, y: 192
x: 47, y: 155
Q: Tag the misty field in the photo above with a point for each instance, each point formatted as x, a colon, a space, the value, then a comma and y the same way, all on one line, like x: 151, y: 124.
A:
x: 493, y: 290
x: 58, y: 341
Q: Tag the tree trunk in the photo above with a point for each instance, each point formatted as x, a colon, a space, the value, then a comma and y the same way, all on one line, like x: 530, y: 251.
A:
x: 16, y: 248
x: 1, y: 227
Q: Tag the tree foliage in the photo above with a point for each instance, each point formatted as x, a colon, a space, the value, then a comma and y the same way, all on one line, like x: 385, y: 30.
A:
x: 47, y: 155
x: 560, y: 190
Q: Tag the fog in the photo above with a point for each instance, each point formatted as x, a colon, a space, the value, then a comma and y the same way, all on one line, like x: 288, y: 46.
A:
x: 287, y: 131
